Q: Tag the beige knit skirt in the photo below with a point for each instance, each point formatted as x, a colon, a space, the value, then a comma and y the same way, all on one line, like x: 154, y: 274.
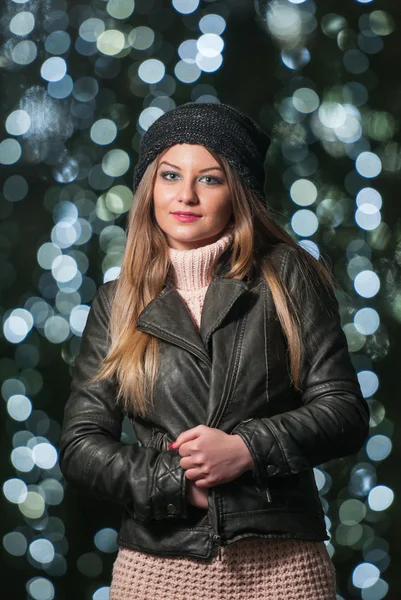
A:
x: 250, y: 569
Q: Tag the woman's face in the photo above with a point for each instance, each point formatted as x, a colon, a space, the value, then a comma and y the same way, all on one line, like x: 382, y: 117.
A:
x: 189, y: 179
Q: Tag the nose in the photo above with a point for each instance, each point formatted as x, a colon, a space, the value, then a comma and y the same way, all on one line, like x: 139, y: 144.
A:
x: 187, y: 192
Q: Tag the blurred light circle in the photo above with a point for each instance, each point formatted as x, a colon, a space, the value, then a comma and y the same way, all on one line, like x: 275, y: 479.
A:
x: 56, y: 329
x: 295, y: 59
x: 304, y: 222
x: 366, y: 320
x: 67, y: 171
x: 15, y: 188
x: 185, y: 7
x: 90, y: 564
x: 15, y: 543
x: 103, y: 132
x: 22, y: 23
x: 375, y: 592
x: 120, y: 9
x: 210, y: 45
x: 64, y: 268
x: 60, y: 89
x: 367, y: 284
x: 53, y: 491
x: 207, y: 63
x: 187, y: 73
x: 352, y: 511
x: 22, y: 459
x: 119, y: 199
x: 18, y: 122
x: 310, y: 247
x: 85, y: 89
x: 78, y: 317
x: 102, y: 593
x: 368, y: 164
x: 378, y: 447
x: 212, y: 23
x: 106, y: 540
x: 57, y: 42
x: 33, y: 506
x: 17, y: 325
x: 350, y: 131
x: 148, y: 116
x: 110, y: 42
x: 151, y: 70
x: 19, y: 407
x: 40, y: 588
x: 15, y: 490
x: 305, y: 100
x: 381, y: 22
x: 90, y: 29
x: 53, y: 69
x: 368, y: 217
x: 380, y: 497
x: 46, y: 254
x: 115, y: 163
x: 141, y: 38
x: 24, y: 52
x: 44, y: 455
x: 283, y: 21
x: 355, y: 61
x: 369, y: 383
x: 42, y: 550
x: 332, y: 114
x: 10, y: 151
x: 303, y: 192
x: 188, y: 51
x: 365, y: 575
x: 370, y: 196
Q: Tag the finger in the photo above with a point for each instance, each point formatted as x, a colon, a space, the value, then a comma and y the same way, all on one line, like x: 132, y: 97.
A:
x: 186, y: 436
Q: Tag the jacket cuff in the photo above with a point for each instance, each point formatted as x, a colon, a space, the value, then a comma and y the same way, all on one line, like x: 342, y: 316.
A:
x: 169, y: 488
x: 268, y: 457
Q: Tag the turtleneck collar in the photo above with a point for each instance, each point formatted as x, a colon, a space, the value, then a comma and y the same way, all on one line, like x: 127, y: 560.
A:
x: 190, y: 268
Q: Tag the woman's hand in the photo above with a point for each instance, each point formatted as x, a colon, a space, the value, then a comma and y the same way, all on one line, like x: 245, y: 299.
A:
x: 197, y: 496
x: 211, y: 456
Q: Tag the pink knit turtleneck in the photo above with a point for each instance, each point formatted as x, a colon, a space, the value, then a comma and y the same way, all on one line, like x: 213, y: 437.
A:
x: 190, y: 272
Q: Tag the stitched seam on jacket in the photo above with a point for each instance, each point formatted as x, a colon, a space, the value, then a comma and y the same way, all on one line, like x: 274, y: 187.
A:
x: 102, y: 293
x: 277, y: 440
x: 95, y: 450
x: 173, y: 337
x: 264, y: 292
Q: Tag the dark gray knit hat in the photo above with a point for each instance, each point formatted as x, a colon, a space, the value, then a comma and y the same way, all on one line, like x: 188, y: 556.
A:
x: 220, y: 127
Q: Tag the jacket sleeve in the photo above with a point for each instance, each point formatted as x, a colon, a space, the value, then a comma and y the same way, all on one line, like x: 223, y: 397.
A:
x: 91, y: 456
x: 333, y: 418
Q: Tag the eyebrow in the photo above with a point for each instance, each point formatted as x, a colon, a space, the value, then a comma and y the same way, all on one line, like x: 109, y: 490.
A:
x: 201, y: 170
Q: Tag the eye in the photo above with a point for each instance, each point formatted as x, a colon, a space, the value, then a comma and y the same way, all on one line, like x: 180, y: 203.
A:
x: 212, y: 180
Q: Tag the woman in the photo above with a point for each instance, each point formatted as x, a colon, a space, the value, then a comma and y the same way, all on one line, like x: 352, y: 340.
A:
x: 222, y: 335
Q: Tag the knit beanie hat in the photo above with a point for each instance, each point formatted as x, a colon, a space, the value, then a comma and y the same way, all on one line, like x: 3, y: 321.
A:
x: 221, y: 128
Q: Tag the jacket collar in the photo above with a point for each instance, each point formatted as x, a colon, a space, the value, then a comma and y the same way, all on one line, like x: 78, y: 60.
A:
x: 167, y: 316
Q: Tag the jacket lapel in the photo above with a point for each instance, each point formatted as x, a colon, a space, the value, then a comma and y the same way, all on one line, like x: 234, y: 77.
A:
x: 168, y: 318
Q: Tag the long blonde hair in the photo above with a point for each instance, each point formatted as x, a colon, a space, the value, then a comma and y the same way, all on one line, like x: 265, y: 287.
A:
x: 132, y: 357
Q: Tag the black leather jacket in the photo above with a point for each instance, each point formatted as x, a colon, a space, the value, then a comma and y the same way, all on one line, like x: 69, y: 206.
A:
x: 232, y: 375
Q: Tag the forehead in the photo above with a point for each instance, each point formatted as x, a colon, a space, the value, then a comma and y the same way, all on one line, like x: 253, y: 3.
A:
x: 187, y: 153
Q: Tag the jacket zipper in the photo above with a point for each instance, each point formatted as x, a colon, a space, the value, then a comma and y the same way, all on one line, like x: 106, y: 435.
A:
x: 216, y: 536
x: 219, y: 413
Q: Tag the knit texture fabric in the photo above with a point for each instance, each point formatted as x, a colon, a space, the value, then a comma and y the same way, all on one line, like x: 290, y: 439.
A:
x: 251, y: 568
x: 190, y: 272
x: 217, y: 126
